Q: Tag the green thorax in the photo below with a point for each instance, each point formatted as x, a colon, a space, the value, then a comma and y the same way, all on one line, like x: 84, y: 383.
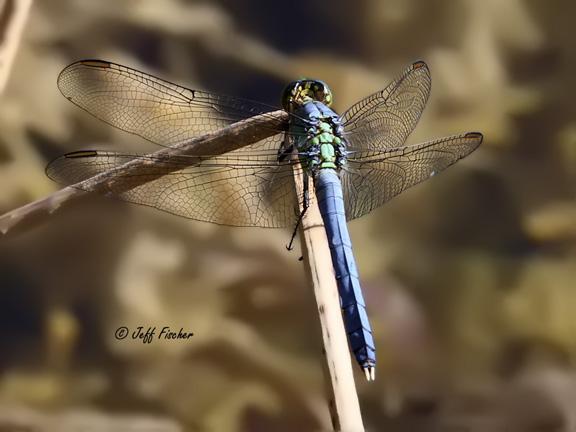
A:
x: 326, y: 141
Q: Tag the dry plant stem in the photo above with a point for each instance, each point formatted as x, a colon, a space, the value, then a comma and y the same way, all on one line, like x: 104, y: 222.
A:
x: 13, y: 16
x: 345, y: 409
x: 344, y: 406
x: 230, y: 138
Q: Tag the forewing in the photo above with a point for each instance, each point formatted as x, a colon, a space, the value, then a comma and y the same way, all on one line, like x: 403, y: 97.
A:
x: 372, y: 178
x: 246, y: 187
x: 386, y: 118
x: 157, y: 110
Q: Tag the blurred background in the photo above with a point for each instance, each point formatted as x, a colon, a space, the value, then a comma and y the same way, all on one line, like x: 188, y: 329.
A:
x: 470, y: 278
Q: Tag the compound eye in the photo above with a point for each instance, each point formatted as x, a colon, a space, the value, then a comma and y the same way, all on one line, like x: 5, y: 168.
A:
x: 322, y: 93
x: 290, y: 93
x: 319, y: 93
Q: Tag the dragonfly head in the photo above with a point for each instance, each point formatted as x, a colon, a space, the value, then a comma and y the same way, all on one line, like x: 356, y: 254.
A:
x: 305, y: 90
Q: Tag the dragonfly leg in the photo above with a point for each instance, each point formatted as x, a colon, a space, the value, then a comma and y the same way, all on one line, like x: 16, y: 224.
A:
x: 305, y: 204
x: 285, y: 149
x: 302, y: 213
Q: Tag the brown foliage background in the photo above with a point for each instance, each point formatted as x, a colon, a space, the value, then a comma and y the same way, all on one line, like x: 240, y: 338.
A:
x: 470, y: 277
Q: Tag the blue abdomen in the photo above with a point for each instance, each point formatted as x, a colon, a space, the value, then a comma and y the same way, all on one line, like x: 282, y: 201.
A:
x: 331, y: 204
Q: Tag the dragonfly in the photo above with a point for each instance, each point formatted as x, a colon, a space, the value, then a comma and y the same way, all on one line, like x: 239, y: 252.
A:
x: 355, y: 161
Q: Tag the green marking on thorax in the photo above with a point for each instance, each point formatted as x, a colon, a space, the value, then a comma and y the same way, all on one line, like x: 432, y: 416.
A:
x: 325, y: 137
x: 328, y: 156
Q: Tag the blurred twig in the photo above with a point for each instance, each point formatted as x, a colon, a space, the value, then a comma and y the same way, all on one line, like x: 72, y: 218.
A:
x: 140, y: 171
x: 13, y: 16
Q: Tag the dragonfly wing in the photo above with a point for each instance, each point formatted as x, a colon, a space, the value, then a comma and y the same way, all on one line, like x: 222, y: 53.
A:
x: 386, y: 118
x: 157, y: 110
x: 372, y: 178
x: 246, y: 187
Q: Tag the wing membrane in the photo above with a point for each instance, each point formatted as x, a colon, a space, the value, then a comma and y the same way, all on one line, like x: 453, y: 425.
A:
x: 372, y: 178
x: 386, y: 118
x: 230, y: 189
x: 157, y: 110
